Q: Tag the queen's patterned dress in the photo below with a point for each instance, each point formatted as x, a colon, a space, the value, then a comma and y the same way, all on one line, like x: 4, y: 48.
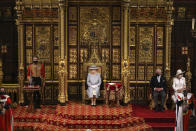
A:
x: 93, y: 82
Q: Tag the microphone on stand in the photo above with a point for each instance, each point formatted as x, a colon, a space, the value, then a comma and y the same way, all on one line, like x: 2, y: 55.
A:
x: 185, y: 103
x: 30, y: 82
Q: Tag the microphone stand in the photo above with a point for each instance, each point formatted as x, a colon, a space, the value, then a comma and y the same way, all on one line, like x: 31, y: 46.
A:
x: 185, y: 103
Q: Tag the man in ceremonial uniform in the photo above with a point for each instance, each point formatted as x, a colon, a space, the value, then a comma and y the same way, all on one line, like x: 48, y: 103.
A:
x: 159, y: 86
x: 6, y: 116
x: 36, y: 75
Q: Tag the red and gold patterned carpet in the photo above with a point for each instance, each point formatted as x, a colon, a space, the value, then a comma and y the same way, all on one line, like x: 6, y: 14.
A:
x: 79, y: 117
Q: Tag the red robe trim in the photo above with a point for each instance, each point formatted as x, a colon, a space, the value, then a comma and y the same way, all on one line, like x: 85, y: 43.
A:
x: 6, y: 118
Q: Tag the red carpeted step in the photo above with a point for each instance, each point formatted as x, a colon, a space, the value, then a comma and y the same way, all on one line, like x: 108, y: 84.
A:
x: 162, y: 126
x: 58, y: 121
x: 145, y: 112
x: 87, y: 112
x: 160, y: 120
x: 141, y: 127
x: 131, y: 121
x: 111, y: 124
x: 27, y: 126
x: 35, y: 126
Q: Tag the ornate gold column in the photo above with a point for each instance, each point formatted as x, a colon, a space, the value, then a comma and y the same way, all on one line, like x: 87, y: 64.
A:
x: 66, y: 51
x: 63, y: 97
x: 168, y: 31
x: 188, y: 75
x: 167, y: 54
x: 125, y: 49
x: 20, y: 28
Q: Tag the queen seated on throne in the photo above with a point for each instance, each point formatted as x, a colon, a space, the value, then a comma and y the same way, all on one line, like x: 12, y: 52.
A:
x: 93, y: 82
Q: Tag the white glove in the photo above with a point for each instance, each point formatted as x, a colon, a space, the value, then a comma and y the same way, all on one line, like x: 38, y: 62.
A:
x: 94, y: 86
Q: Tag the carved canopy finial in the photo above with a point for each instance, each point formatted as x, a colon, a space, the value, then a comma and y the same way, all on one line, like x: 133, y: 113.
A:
x: 94, y: 58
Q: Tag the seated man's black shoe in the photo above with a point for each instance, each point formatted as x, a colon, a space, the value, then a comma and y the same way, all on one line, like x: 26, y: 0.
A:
x: 162, y: 109
x: 156, y: 109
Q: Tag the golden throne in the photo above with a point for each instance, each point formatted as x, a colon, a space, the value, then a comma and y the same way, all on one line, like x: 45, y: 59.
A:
x: 150, y: 92
x: 152, y: 104
x: 94, y: 60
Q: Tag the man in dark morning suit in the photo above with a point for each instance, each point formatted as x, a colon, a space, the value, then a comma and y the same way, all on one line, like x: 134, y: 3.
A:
x: 159, y: 86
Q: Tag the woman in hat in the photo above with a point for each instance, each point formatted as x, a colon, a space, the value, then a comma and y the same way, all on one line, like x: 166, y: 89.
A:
x: 93, y: 82
x: 179, y: 86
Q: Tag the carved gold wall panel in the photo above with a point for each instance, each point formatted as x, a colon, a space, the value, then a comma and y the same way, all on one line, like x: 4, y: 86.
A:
x: 181, y: 12
x: 132, y: 56
x: 140, y: 93
x: 37, y: 13
x: 132, y: 34
x: 42, y: 43
x: 72, y: 35
x: 73, y: 71
x: 48, y: 72
x: 73, y: 55
x: 141, y: 73
x: 159, y: 56
x: 56, y: 37
x: 146, y: 44
x: 29, y: 56
x: 147, y: 14
x: 73, y: 89
x: 132, y: 72
x: 116, y: 55
x: 48, y: 92
x: 72, y: 13
x: 6, y: 11
x: 116, y: 13
x: 107, y: 71
x: 115, y: 71
x: 159, y: 67
x: 29, y: 35
x: 94, y: 24
x: 83, y: 54
x: 132, y: 92
x: 56, y: 69
x: 56, y: 56
x: 159, y: 36
x: 116, y: 35
x: 81, y: 72
x: 149, y: 72
x: 105, y: 52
